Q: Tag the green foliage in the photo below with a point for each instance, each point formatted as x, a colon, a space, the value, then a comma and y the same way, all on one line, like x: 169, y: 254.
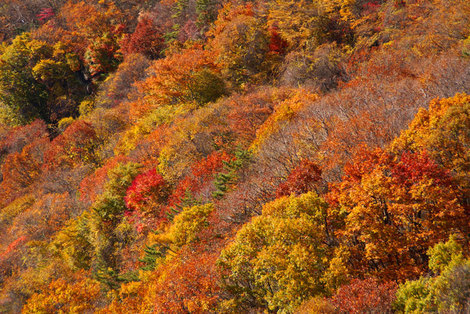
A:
x: 466, y: 47
x: 110, y: 205
x: 107, y: 276
x: 35, y: 78
x: 171, y: 36
x: 443, y: 254
x: 179, y: 7
x: 277, y: 260
x: 206, y: 11
x: 152, y: 253
x: 23, y: 94
x: 224, y: 180
x: 207, y: 86
x: 447, y: 291
x: 107, y: 225
x: 187, y: 201
x: 415, y: 297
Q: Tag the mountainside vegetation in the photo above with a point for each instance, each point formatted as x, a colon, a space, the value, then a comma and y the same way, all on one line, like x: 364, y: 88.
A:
x: 235, y: 156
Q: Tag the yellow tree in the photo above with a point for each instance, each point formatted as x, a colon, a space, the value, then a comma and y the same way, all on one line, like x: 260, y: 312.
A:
x: 241, y: 43
x: 278, y: 260
x: 76, y: 295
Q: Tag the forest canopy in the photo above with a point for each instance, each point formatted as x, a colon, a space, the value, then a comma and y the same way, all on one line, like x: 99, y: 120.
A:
x: 223, y: 156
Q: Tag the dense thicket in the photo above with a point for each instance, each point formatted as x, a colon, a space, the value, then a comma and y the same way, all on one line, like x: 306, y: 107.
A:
x: 179, y: 156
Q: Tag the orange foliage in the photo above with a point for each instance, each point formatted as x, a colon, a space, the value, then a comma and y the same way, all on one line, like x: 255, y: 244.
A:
x: 21, y: 170
x: 407, y: 201
x: 78, y: 22
x: 188, y: 284
x: 171, y: 82
x: 302, y: 179
x: 72, y: 295
x: 154, y: 161
x: 185, y: 284
x: 365, y: 296
x: 202, y: 175
x: 78, y: 144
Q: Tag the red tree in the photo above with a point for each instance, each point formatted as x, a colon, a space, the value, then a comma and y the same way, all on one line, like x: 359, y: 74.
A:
x: 148, y: 194
x: 303, y: 178
x: 146, y: 39
x: 277, y: 45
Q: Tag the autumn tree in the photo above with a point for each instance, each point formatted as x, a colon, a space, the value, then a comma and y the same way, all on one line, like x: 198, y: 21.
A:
x: 192, y: 280
x: 41, y: 80
x: 102, y: 56
x: 120, y: 84
x: 284, y: 112
x: 277, y: 260
x: 93, y: 185
x: 146, y: 39
x: 249, y: 111
x: 78, y: 23
x: 407, y: 201
x: 241, y: 43
x: 187, y: 283
x: 107, y: 224
x: 185, y: 227
x: 295, y: 22
x: 148, y: 194
x: 73, y: 243
x: 365, y: 296
x: 77, y: 294
x: 441, y: 131
x: 186, y: 77
x: 200, y: 179
x: 302, y: 179
x: 447, y: 290
x: 78, y: 144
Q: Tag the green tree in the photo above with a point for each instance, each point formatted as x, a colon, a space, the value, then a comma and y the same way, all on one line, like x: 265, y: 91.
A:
x: 107, y: 222
x: 277, y: 260
x: 37, y: 80
x: 447, y: 292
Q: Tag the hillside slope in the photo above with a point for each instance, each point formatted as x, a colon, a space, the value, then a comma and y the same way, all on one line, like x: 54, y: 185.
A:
x: 181, y: 156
